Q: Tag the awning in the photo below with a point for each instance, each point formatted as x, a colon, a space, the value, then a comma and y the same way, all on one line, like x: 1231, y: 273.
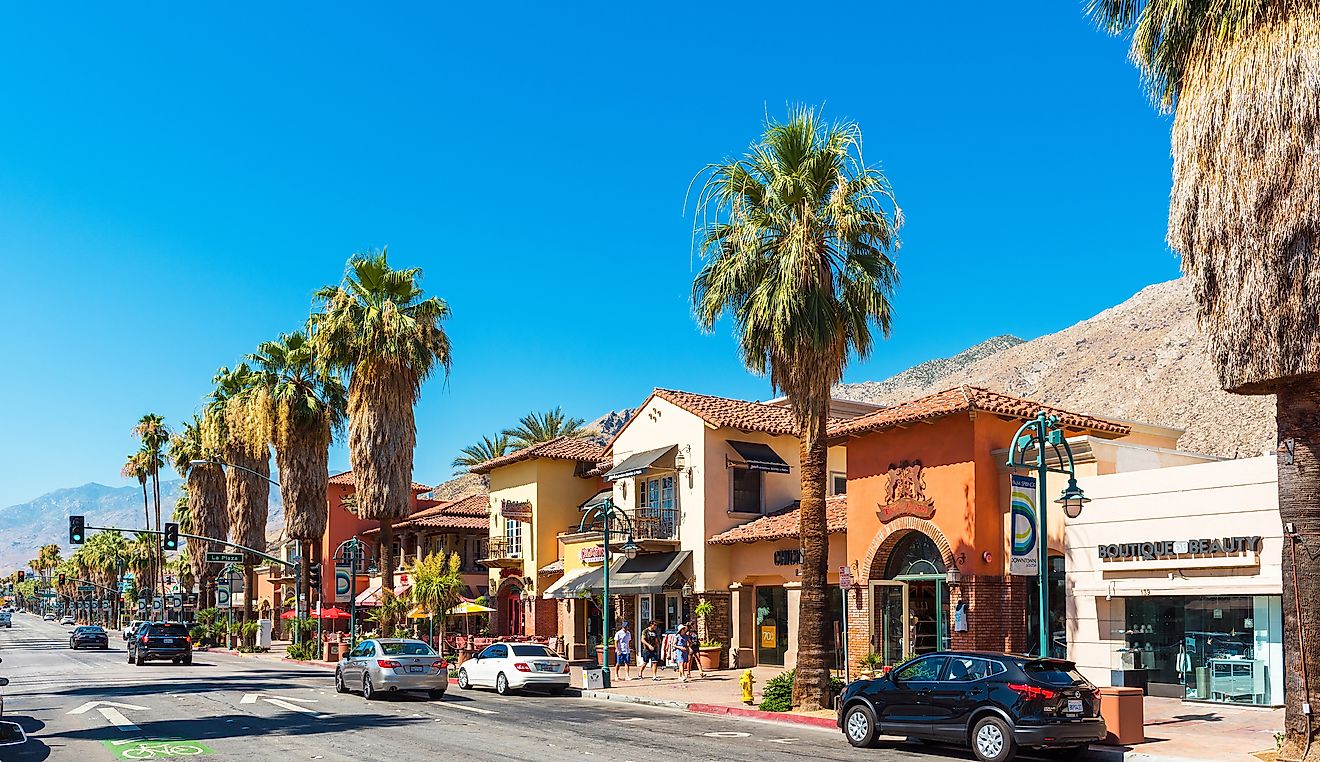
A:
x: 634, y: 465
x: 370, y: 596
x: 598, y: 499
x: 759, y: 457
x: 554, y: 567
x: 647, y: 573
x: 572, y: 584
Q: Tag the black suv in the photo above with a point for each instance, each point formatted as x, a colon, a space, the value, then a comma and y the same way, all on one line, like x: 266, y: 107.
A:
x: 159, y: 641
x: 992, y: 702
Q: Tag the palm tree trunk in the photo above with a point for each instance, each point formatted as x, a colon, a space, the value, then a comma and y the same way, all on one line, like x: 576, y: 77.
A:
x: 249, y: 586
x: 811, y: 686
x: 1298, y: 416
x: 387, y: 555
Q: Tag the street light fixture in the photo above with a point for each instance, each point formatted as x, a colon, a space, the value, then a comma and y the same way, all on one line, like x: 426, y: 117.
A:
x: 607, y: 512
x: 1040, y: 432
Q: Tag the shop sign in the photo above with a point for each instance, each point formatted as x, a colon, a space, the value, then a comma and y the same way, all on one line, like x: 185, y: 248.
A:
x: 592, y: 554
x: 905, y: 493
x: 1025, y: 560
x: 788, y: 557
x: 1152, y: 551
x: 769, y: 636
x: 516, y: 510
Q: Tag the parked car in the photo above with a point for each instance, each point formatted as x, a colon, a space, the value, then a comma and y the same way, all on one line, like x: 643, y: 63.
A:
x: 67, y: 620
x: 993, y: 702
x: 131, y: 629
x: 509, y: 667
x: 48, y: 617
x: 6, y: 619
x: 159, y: 641
x: 392, y: 664
x: 91, y: 636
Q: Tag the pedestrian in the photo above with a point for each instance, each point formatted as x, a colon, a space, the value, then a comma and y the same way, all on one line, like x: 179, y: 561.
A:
x: 650, y: 651
x: 623, y: 652
x: 694, y: 650
x: 681, y: 652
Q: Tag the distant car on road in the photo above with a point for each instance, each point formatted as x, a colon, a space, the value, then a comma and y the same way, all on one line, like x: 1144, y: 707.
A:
x: 90, y: 636
x: 160, y: 641
x: 6, y: 619
x: 132, y: 628
x: 992, y: 702
x: 68, y: 620
x: 508, y: 667
x: 392, y: 664
x: 48, y: 617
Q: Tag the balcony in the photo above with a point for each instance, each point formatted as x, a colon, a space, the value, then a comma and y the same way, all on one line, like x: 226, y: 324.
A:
x: 500, y: 553
x: 658, y: 525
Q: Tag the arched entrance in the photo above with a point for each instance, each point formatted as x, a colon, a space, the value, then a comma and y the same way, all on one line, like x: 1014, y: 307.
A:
x: 509, y: 608
x: 909, y: 596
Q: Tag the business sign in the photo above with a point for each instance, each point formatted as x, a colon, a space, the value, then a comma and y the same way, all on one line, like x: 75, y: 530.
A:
x: 1153, y: 551
x: 224, y: 558
x: 223, y: 600
x: 769, y: 636
x: 845, y: 578
x: 788, y: 557
x: 516, y: 510
x: 592, y: 554
x: 343, y: 583
x: 1025, y: 561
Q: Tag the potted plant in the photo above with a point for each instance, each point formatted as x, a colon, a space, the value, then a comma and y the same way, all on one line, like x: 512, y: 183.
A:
x: 600, y: 652
x: 708, y: 654
x: 870, y: 664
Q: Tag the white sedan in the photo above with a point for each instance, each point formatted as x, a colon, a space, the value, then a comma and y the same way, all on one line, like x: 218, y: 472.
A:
x: 508, y: 667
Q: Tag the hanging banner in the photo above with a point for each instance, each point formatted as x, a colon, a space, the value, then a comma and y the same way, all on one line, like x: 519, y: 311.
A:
x: 223, y: 599
x: 1026, y: 548
x: 343, y: 583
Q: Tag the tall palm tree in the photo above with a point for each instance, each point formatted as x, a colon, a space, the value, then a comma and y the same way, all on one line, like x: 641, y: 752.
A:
x: 535, y: 428
x: 154, y: 436
x: 378, y: 327
x: 305, y: 403
x: 1243, y: 82
x: 242, y: 431
x: 797, y: 237
x: 135, y: 467
x: 207, y: 499
x: 487, y: 449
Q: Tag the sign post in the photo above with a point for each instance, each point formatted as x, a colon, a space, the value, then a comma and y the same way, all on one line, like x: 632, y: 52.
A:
x: 845, y: 584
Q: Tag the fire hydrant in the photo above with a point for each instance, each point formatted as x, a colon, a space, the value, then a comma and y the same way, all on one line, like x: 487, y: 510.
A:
x: 747, y: 681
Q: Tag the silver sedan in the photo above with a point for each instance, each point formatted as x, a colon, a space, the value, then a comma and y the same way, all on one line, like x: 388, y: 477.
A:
x: 383, y: 665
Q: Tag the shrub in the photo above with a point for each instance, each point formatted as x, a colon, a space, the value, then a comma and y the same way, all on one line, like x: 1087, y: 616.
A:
x: 777, y: 696
x: 304, y: 651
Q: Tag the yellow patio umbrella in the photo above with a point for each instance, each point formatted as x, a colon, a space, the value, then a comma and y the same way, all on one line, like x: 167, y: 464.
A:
x: 418, y: 613
x: 466, y: 609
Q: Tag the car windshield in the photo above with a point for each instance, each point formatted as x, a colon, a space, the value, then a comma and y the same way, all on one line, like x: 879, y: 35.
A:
x: 88, y: 630
x: 406, y: 648
x: 176, y: 630
x: 1054, y: 672
x: 533, y: 651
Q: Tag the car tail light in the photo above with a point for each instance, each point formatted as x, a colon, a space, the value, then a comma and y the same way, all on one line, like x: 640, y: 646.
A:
x: 1031, y: 692
x: 441, y: 664
x: 144, y: 640
x: 521, y: 666
x: 388, y: 664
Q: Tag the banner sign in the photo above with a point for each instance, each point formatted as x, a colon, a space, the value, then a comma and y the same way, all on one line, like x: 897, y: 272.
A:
x: 1026, y: 546
x: 343, y: 583
x: 516, y: 510
x: 222, y: 598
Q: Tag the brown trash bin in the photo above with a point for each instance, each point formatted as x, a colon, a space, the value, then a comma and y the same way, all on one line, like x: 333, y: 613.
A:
x: 329, y: 651
x: 1124, y: 711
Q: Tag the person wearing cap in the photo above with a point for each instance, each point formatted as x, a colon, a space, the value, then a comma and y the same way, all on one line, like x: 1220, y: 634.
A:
x: 681, y: 652
x: 623, y: 652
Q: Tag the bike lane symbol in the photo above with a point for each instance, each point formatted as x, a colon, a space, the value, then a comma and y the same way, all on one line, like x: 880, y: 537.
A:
x: 142, y: 748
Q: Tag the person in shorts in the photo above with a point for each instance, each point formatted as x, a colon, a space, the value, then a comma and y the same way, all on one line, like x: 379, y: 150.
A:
x: 650, y: 651
x: 694, y: 649
x: 623, y: 652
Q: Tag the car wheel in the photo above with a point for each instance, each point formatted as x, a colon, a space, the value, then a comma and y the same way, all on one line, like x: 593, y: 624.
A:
x: 463, y: 680
x: 187, y: 660
x: 502, y: 685
x: 368, y: 692
x: 1069, y: 753
x: 859, y: 726
x: 339, y: 682
x: 992, y: 740
x: 437, y: 695
x: 140, y: 659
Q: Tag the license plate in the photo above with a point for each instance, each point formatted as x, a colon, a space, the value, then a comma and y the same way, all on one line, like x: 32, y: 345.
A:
x: 417, y: 668
x: 167, y: 641
x: 547, y: 667
x: 1074, y: 706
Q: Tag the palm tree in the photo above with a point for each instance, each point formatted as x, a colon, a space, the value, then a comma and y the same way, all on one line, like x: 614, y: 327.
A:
x: 797, y: 236
x: 486, y: 449
x: 437, y: 584
x: 237, y: 412
x: 135, y: 467
x: 207, y: 499
x: 151, y: 431
x: 535, y: 428
x: 1244, y: 213
x: 141, y: 558
x: 306, y: 406
x: 377, y: 327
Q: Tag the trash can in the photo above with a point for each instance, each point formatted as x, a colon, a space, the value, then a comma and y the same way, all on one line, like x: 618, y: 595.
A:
x: 1125, y: 715
x: 264, y: 630
x: 593, y: 679
x: 330, y: 652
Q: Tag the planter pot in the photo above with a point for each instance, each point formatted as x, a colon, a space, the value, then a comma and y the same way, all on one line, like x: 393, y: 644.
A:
x: 709, y: 658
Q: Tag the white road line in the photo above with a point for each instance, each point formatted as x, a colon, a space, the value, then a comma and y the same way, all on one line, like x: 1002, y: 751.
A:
x: 118, y: 719
x: 453, y: 705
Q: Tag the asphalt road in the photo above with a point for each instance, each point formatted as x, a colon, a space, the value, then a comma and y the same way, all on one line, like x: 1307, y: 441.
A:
x: 201, y: 707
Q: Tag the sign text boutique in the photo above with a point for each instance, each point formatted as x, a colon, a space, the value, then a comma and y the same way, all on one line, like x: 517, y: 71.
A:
x: 1150, y: 551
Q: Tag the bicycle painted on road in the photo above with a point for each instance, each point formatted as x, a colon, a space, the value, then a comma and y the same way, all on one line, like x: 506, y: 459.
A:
x: 156, y: 749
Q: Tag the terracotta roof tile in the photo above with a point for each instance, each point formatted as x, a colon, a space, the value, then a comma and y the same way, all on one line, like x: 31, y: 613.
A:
x: 468, y: 512
x: 734, y: 414
x: 346, y: 480
x: 962, y: 399
x: 783, y: 524
x: 560, y: 448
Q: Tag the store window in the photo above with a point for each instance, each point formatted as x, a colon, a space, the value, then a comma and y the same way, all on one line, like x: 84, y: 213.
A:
x: 771, y: 625
x: 657, y: 506
x: 838, y: 483
x: 513, y: 537
x: 1058, y: 611
x: 747, y: 485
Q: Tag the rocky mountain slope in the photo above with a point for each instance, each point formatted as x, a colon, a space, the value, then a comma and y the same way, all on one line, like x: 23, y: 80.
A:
x: 1143, y: 360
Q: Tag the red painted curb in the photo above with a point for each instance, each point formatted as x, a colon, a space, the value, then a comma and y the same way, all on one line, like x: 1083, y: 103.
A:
x: 734, y: 711
x: 310, y: 663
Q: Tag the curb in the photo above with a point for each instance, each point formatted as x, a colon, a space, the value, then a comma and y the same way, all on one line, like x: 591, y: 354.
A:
x: 627, y: 699
x: 756, y: 714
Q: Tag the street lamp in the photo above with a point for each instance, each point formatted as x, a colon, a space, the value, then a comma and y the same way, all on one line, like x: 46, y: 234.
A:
x: 1041, y: 432
x: 605, y: 512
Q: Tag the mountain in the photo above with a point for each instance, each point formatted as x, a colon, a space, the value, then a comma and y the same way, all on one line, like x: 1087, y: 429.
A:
x: 27, y: 526
x: 1143, y: 360
x: 606, y: 426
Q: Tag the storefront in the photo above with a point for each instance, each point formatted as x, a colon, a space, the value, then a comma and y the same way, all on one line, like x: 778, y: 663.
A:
x: 1175, y: 582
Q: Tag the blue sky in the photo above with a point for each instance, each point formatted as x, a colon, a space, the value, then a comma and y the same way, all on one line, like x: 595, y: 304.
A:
x: 174, y: 187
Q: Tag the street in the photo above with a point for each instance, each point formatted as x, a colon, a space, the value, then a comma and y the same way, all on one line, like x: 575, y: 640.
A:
x: 93, y: 705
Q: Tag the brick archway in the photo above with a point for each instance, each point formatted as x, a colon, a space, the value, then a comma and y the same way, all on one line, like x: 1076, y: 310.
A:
x: 885, y: 540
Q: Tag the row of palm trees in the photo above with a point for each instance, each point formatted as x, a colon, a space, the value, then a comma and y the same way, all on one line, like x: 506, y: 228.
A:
x: 533, y: 428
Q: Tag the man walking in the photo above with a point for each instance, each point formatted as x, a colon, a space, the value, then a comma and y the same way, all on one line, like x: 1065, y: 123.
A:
x: 650, y: 651
x: 623, y: 652
x: 694, y: 650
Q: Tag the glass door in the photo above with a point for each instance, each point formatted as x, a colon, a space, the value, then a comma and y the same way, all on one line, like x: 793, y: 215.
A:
x: 771, y: 625
x: 889, y: 613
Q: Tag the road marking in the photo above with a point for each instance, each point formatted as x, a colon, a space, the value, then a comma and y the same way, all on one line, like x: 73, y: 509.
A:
x: 118, y: 719
x: 281, y: 702
x: 727, y: 734
x: 90, y: 705
x: 782, y: 740
x: 453, y: 705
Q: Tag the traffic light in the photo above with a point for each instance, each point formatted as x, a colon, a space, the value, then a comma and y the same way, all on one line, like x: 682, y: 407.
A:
x: 62, y: 578
x: 314, y: 576
x: 21, y: 575
x: 171, y: 536
x: 76, y: 532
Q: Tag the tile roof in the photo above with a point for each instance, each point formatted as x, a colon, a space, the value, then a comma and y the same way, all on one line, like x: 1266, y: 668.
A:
x: 734, y: 414
x: 346, y: 480
x: 559, y: 448
x: 783, y: 524
x: 468, y: 512
x: 966, y: 399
